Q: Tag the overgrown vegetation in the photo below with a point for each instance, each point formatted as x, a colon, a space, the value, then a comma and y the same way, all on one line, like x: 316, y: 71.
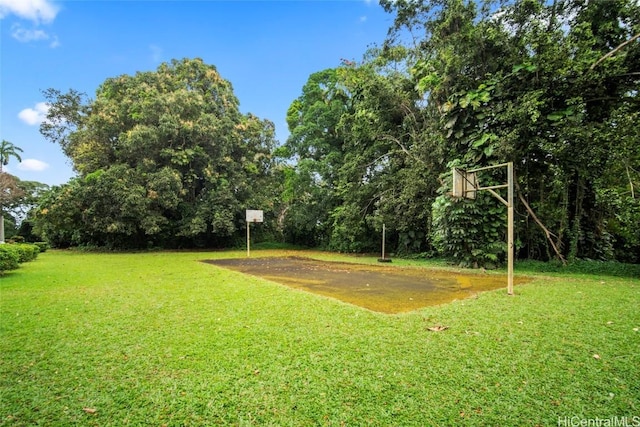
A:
x: 165, y: 159
x: 549, y: 86
x: 162, y: 339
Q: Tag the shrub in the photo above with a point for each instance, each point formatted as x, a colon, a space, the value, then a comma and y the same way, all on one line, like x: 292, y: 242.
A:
x: 9, y: 258
x: 43, y: 246
x: 26, y: 251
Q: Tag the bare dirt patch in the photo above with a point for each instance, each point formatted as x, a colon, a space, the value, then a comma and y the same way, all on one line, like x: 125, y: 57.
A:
x: 382, y: 288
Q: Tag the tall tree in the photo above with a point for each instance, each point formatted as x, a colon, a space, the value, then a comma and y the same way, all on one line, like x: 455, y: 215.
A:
x: 316, y: 144
x: 164, y: 158
x: 388, y: 172
x: 547, y: 85
x: 363, y: 157
x: 20, y: 206
x: 7, y: 183
x: 8, y: 150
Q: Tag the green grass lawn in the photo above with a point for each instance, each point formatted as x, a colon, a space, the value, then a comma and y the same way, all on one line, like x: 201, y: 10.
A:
x: 155, y: 339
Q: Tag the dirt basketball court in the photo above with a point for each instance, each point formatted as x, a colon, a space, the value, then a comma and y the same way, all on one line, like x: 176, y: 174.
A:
x: 381, y: 288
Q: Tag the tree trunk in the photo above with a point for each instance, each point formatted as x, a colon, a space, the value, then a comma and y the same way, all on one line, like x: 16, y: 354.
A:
x: 1, y: 226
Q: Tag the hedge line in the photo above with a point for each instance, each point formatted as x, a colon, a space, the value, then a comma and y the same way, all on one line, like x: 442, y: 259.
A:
x: 13, y: 254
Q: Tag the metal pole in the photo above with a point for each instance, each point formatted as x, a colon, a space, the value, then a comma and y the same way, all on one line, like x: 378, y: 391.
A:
x: 248, y: 240
x: 510, y: 228
x: 487, y: 167
x: 383, y: 234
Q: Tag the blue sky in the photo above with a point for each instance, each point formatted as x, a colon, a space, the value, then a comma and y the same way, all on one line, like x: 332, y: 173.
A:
x: 266, y: 49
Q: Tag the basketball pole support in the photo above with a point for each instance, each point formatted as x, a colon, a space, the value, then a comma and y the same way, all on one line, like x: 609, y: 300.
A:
x: 510, y: 228
x: 384, y: 231
x: 248, y: 240
x: 509, y: 204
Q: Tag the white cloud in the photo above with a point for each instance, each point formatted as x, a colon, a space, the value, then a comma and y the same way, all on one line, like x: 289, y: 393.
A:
x: 33, y: 10
x: 25, y: 35
x: 33, y: 165
x: 34, y: 116
x: 363, y: 19
x: 37, y: 11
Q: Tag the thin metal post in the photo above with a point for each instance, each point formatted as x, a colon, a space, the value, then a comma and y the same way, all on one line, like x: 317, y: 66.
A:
x: 510, y: 228
x: 383, y: 236
x: 248, y: 240
x: 487, y: 167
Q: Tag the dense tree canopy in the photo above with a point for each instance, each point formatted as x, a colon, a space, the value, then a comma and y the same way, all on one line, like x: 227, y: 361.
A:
x: 350, y: 130
x: 528, y: 86
x: 18, y: 199
x: 550, y: 86
x: 164, y: 158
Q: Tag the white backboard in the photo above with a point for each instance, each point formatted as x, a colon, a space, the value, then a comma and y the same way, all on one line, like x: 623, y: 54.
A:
x: 254, y: 215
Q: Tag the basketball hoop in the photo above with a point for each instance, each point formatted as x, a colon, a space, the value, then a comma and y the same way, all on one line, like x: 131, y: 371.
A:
x: 465, y: 185
x: 252, y: 216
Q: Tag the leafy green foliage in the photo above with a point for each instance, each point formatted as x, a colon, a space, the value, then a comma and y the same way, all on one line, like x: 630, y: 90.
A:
x: 316, y: 142
x: 551, y: 87
x: 471, y: 233
x: 373, y: 167
x: 7, y: 151
x: 26, y: 252
x: 42, y: 246
x: 304, y: 218
x: 9, y: 190
x: 9, y: 258
x: 165, y: 158
x: 13, y: 254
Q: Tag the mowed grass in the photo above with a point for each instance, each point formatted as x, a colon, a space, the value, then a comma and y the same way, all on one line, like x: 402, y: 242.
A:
x: 161, y: 339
